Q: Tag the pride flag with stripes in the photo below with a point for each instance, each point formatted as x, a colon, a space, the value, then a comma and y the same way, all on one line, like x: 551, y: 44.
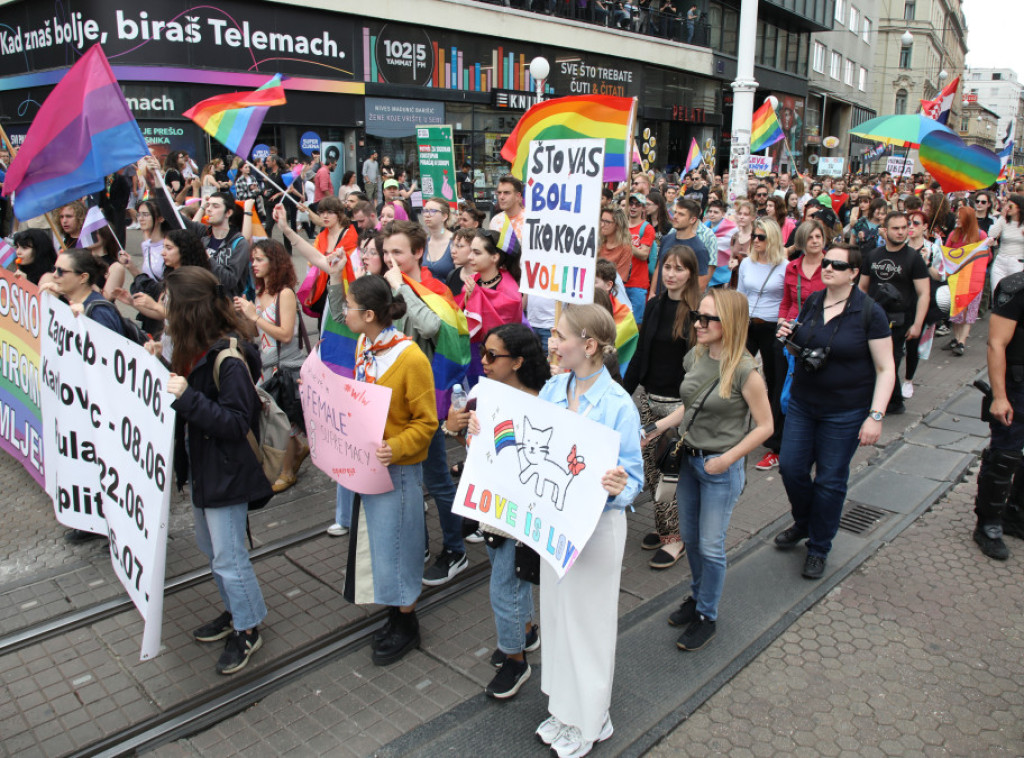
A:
x: 83, y: 132
x: 627, y: 335
x: 694, y: 157
x: 765, y: 129
x: 577, y: 117
x: 965, y: 273
x: 234, y: 118
x: 504, y: 436
x: 7, y: 254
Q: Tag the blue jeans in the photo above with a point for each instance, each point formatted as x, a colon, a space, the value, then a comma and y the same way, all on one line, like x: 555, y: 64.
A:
x: 220, y: 535
x: 543, y: 335
x: 705, y: 506
x: 511, y: 599
x: 438, y: 481
x: 826, y: 439
x: 637, y: 299
x: 395, y: 526
x: 343, y: 507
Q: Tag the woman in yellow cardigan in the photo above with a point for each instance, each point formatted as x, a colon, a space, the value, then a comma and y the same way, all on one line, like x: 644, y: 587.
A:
x: 385, y: 564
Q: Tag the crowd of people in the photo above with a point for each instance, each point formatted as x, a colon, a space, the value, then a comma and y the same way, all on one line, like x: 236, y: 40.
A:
x: 774, y: 326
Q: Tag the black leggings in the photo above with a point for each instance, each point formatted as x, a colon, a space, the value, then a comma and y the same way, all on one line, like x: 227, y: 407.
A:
x: 912, y: 359
x: 761, y: 339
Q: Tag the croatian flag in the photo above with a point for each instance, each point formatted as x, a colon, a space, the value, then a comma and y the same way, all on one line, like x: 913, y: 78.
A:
x: 83, y: 132
x: 939, y: 108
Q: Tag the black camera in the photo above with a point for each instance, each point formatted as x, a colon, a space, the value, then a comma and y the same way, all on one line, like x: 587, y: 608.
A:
x: 813, y: 359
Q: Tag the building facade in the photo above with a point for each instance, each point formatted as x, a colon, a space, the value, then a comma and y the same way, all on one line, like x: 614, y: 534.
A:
x: 920, y: 49
x: 999, y: 90
x: 839, y: 82
x: 361, y: 78
x: 978, y: 125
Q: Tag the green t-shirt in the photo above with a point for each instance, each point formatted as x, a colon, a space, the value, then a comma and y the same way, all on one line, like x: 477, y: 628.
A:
x: 722, y: 422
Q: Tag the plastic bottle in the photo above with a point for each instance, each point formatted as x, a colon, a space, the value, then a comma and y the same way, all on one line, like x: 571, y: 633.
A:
x: 459, y: 397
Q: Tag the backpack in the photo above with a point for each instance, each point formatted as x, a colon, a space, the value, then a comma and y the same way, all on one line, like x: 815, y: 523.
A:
x: 129, y: 329
x: 275, y: 428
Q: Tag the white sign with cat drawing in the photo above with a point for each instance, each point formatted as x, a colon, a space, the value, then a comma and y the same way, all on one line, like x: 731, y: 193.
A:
x: 534, y: 472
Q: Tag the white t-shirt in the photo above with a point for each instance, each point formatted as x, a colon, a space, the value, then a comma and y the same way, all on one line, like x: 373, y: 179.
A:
x: 310, y: 189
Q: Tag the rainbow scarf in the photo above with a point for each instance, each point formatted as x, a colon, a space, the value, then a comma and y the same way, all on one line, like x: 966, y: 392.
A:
x: 765, y: 129
x: 234, y: 118
x: 580, y: 116
x: 627, y: 336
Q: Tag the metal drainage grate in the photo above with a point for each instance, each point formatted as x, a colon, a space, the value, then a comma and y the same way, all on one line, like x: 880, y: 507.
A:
x: 861, y: 519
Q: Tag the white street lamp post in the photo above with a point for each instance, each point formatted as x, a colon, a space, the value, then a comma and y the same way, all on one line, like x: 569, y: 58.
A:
x: 539, y: 70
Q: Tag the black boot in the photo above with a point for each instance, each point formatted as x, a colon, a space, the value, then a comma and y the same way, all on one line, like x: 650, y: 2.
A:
x: 1013, y: 516
x: 989, y: 534
x: 994, y: 482
x: 381, y: 634
x: 403, y: 637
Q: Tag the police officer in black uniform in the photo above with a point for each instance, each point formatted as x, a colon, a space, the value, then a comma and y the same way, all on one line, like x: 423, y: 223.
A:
x: 1001, y: 478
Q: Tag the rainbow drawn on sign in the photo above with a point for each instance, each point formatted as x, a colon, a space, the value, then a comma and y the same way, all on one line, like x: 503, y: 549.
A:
x: 504, y: 436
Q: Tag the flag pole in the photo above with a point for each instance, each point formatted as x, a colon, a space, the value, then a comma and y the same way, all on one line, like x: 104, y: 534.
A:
x: 272, y: 183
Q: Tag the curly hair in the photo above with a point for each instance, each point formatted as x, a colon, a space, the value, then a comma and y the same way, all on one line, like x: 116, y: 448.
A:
x: 199, y: 313
x: 190, y: 248
x: 280, y: 274
x: 521, y: 342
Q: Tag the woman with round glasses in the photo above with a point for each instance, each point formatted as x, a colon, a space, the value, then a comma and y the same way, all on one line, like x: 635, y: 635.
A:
x: 721, y: 392
x: 437, y: 257
x: 762, y: 278
x: 844, y: 376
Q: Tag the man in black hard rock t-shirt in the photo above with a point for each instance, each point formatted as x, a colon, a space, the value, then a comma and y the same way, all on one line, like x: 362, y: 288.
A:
x: 999, y: 504
x: 896, y: 277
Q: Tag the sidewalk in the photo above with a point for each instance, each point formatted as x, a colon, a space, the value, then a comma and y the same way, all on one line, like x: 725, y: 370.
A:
x: 918, y: 652
x: 61, y: 695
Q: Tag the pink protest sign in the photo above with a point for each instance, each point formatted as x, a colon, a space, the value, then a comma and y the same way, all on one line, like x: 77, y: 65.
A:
x: 345, y: 426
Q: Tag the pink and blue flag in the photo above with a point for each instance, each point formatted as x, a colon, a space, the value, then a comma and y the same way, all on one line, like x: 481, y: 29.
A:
x: 83, y: 132
x: 7, y: 254
x: 694, y: 157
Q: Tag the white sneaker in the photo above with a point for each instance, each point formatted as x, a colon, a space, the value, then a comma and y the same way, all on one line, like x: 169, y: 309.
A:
x: 475, y: 537
x: 907, y: 390
x: 337, y: 530
x: 570, y: 742
x: 549, y: 730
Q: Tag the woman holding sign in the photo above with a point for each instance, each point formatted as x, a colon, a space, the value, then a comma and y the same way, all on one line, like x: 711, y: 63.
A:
x: 388, y: 529
x: 218, y: 409
x: 580, y: 612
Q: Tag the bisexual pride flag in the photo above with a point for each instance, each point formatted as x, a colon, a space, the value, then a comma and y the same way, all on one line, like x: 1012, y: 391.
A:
x: 83, y: 132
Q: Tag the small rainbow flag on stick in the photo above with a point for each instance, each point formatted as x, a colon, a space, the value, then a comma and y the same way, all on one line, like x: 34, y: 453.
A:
x: 234, y: 118
x: 765, y: 130
x: 504, y: 436
x: 577, y: 117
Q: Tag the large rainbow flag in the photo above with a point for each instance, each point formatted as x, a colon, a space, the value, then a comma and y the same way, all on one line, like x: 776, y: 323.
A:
x: 627, y: 335
x: 451, y: 355
x: 234, y: 118
x: 83, y: 132
x: 965, y: 273
x: 577, y: 117
x: 765, y: 130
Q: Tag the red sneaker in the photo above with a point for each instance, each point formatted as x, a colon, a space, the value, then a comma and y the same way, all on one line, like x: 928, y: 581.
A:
x: 770, y: 461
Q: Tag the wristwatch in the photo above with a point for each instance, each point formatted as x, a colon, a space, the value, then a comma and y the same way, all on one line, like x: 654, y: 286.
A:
x: 876, y: 415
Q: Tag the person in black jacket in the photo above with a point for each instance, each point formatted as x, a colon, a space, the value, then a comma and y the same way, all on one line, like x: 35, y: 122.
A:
x: 665, y: 337
x: 212, y: 451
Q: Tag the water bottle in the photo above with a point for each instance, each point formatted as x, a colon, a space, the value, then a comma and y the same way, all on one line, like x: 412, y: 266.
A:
x: 459, y: 397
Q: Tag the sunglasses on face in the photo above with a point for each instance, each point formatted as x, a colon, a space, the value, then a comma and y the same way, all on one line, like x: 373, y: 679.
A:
x: 761, y: 194
x: 836, y: 265
x: 58, y: 272
x: 703, y: 318
x: 489, y: 356
x: 760, y: 237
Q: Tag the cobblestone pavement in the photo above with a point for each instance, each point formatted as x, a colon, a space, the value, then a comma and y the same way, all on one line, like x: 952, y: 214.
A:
x: 920, y: 652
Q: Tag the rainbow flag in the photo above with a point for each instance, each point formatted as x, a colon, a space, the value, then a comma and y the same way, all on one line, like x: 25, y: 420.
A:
x: 965, y: 273
x: 580, y: 116
x: 507, y: 239
x: 451, y: 354
x: 765, y: 129
x: 504, y: 436
x: 83, y: 132
x: 627, y: 335
x: 234, y: 118
x: 693, y: 158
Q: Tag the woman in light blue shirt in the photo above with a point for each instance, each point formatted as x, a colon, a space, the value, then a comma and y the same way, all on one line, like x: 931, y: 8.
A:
x: 580, y: 612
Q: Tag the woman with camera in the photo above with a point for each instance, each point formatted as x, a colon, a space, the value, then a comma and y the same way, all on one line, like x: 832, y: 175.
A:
x: 844, y: 374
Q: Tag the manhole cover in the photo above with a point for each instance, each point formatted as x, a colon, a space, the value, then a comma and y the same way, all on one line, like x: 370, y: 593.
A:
x: 861, y: 519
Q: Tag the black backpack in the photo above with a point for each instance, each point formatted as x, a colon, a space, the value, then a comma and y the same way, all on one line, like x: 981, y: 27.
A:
x: 129, y: 329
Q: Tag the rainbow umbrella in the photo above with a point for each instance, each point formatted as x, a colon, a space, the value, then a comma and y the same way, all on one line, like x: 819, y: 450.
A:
x: 901, y: 131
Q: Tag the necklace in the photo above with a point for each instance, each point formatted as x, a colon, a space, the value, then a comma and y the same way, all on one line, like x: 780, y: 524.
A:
x: 491, y: 282
x: 837, y: 302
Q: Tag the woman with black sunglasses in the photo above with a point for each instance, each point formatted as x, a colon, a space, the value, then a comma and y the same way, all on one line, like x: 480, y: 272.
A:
x: 844, y: 376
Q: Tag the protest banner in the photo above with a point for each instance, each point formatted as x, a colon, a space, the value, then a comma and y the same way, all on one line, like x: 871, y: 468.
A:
x: 345, y: 426
x: 437, y: 163
x: 761, y: 165
x: 109, y: 434
x: 831, y: 166
x: 562, y: 195
x: 899, y: 166
x: 21, y: 416
x: 534, y: 472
